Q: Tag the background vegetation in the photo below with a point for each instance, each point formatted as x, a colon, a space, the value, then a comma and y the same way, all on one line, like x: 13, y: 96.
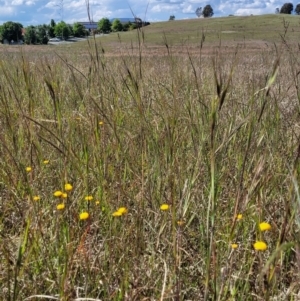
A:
x: 145, y: 174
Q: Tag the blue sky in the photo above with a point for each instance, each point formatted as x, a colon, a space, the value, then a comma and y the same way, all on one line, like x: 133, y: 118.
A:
x: 34, y: 12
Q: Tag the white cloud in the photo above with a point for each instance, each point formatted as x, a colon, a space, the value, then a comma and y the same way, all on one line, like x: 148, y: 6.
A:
x: 248, y: 11
x: 188, y: 9
x: 17, y: 2
x: 7, y: 10
x: 162, y: 8
x: 51, y: 4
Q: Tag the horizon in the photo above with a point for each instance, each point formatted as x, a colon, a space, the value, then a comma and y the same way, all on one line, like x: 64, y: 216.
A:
x: 37, y: 12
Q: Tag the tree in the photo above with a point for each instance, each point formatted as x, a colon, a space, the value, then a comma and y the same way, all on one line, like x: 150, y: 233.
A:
x: 199, y: 12
x: 79, y: 30
x: 117, y: 25
x: 287, y: 8
x: 70, y: 29
x: 51, y: 28
x: 277, y: 11
x: 172, y: 18
x: 297, y: 9
x: 52, y: 23
x: 129, y: 26
x: 61, y: 29
x: 30, y: 35
x: 11, y: 31
x: 207, y: 11
x: 104, y: 25
x: 41, y: 34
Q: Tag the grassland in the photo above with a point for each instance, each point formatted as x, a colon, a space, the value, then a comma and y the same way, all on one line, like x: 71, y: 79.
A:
x: 161, y: 164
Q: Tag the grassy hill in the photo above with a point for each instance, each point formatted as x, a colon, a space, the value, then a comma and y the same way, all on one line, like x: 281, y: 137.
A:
x: 267, y: 28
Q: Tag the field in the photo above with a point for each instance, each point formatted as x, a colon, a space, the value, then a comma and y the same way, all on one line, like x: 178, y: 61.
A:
x: 157, y: 164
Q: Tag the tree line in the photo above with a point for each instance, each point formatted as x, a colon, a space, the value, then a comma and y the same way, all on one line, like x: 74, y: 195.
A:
x: 11, y: 32
x: 106, y: 26
x: 287, y: 8
x: 40, y: 34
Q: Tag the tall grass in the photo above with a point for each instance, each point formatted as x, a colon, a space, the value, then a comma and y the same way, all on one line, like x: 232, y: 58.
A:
x: 212, y: 137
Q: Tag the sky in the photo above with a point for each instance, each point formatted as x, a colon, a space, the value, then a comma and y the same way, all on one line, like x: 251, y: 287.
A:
x: 35, y: 12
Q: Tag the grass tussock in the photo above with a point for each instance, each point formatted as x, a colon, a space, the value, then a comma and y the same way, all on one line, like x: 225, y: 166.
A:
x: 171, y: 177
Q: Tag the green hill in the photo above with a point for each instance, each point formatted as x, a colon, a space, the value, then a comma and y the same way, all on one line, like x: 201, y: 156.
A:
x: 267, y: 28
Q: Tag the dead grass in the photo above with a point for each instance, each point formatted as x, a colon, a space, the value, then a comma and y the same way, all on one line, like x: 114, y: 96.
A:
x: 210, y: 130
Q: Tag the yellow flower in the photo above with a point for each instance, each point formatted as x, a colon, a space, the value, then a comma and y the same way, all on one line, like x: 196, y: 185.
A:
x: 117, y: 213
x: 239, y: 216
x: 57, y: 193
x: 234, y: 246
x: 264, y: 226
x: 164, y: 207
x: 122, y: 210
x: 260, y: 246
x: 60, y: 206
x: 97, y: 202
x: 64, y: 195
x: 88, y: 198
x: 36, y: 198
x: 28, y: 169
x: 83, y: 216
x: 46, y: 161
x: 68, y: 187
x: 100, y: 122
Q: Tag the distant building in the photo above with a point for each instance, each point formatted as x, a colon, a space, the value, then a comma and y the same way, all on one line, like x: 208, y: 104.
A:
x: 93, y: 25
x: 89, y: 25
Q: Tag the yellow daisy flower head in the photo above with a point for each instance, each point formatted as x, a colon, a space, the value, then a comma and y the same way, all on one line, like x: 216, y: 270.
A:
x: 68, y: 187
x: 46, y: 162
x: 164, y: 207
x: 264, y: 226
x: 28, y: 169
x: 122, y: 210
x: 117, y: 213
x: 36, y: 198
x: 64, y: 195
x: 60, y: 206
x: 101, y: 122
x: 239, y: 216
x: 58, y: 193
x: 97, y: 202
x: 88, y: 198
x: 260, y: 246
x: 234, y: 246
x: 83, y: 216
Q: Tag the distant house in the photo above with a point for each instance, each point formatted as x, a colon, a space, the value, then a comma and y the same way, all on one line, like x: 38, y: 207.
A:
x: 89, y: 25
